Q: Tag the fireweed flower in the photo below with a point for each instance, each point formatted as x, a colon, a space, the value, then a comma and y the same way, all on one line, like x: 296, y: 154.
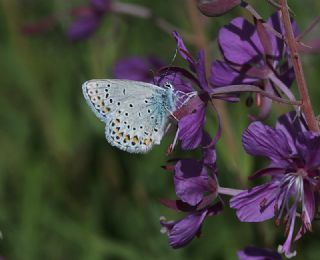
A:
x: 292, y: 191
x: 191, y: 123
x: 197, y: 191
x: 254, y: 55
x: 255, y: 253
x: 138, y: 68
x: 88, y: 19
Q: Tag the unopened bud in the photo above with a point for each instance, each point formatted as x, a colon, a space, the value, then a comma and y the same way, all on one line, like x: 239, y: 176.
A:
x: 217, y: 7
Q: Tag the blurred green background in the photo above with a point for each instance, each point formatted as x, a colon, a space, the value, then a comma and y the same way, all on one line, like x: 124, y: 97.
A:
x: 65, y: 193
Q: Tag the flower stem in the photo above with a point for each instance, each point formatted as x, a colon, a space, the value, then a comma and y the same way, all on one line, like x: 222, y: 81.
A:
x: 297, y: 65
x: 229, y: 191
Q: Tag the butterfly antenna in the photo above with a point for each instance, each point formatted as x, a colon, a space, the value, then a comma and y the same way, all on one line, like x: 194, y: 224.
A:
x: 174, y: 56
x: 165, y: 74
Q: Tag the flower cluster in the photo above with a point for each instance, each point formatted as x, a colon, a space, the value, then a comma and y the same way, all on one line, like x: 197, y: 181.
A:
x: 253, y: 56
x: 292, y: 192
x: 256, y: 57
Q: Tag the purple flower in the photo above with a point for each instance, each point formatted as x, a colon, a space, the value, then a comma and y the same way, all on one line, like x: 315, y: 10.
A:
x: 254, y: 55
x: 256, y: 253
x: 196, y: 191
x: 88, y: 19
x: 292, y: 191
x: 191, y: 123
x: 138, y: 68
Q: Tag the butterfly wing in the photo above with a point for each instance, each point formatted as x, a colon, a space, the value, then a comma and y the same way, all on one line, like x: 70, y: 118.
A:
x: 135, y: 113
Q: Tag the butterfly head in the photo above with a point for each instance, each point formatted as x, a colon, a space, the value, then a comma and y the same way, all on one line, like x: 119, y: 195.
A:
x: 168, y: 86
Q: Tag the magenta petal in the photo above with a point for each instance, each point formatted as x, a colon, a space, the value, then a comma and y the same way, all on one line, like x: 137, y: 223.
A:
x: 191, y: 128
x: 84, y: 26
x: 191, y: 190
x: 262, y: 140
x: 191, y: 181
x: 101, y: 5
x: 188, y: 168
x: 291, y: 124
x: 308, y: 146
x: 222, y: 74
x: 209, y: 158
x: 255, y: 253
x: 256, y: 204
x: 240, y: 42
x: 277, y: 43
x: 182, y: 49
x: 200, y: 69
x: 183, y: 231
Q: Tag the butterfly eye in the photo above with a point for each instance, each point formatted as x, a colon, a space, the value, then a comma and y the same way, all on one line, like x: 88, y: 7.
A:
x: 168, y: 85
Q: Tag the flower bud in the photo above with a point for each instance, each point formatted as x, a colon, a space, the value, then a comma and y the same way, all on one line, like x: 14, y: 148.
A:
x: 216, y: 7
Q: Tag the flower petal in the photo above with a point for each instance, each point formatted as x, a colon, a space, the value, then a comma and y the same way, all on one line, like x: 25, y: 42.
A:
x: 256, y: 204
x: 84, y: 26
x: 183, y: 51
x: 262, y: 140
x: 222, y: 74
x: 240, y: 42
x: 200, y: 69
x: 183, y: 231
x: 277, y: 43
x: 191, y: 181
x: 308, y: 146
x: 191, y: 128
x: 256, y: 253
x: 101, y: 5
x: 291, y: 124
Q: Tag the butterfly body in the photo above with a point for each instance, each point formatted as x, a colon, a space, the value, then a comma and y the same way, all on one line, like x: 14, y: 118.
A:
x: 136, y: 113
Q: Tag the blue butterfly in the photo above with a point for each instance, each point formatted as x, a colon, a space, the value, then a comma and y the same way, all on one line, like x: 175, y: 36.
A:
x: 136, y: 113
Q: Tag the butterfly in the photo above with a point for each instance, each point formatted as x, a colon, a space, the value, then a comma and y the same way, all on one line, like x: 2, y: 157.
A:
x: 136, y: 113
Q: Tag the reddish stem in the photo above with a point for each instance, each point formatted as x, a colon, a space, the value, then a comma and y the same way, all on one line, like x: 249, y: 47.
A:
x: 297, y: 65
